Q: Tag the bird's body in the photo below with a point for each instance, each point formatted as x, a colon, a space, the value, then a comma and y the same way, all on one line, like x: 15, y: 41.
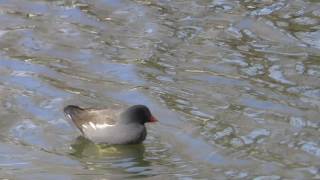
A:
x: 111, y: 126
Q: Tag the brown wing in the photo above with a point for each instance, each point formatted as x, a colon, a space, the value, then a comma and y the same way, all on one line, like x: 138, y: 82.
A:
x: 81, y: 116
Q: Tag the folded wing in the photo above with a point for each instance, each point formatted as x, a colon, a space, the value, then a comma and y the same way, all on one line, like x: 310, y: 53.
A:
x: 93, y: 118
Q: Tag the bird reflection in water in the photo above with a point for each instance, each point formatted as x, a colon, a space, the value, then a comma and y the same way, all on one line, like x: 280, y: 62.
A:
x: 116, y: 158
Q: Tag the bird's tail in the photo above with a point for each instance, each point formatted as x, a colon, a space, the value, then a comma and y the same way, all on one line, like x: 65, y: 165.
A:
x: 74, y: 113
x: 72, y: 110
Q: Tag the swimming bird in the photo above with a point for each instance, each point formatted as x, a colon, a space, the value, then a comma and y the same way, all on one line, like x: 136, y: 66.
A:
x: 111, y: 126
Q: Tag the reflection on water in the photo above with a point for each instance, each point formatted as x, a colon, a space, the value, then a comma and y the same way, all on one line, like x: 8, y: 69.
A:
x: 235, y: 85
x: 120, y: 159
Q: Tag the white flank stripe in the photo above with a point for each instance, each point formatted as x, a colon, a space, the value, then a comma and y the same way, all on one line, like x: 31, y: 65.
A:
x: 100, y: 126
x: 96, y: 126
x: 92, y: 125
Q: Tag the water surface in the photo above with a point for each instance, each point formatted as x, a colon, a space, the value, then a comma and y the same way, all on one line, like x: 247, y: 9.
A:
x: 235, y: 85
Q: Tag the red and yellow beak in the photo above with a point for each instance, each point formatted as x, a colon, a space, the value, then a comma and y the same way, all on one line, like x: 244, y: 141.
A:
x: 152, y: 119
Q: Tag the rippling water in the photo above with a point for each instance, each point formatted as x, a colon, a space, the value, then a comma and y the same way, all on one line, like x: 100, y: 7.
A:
x: 235, y: 84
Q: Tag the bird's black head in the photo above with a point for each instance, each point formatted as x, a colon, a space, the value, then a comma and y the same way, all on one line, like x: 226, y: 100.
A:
x: 138, y: 114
